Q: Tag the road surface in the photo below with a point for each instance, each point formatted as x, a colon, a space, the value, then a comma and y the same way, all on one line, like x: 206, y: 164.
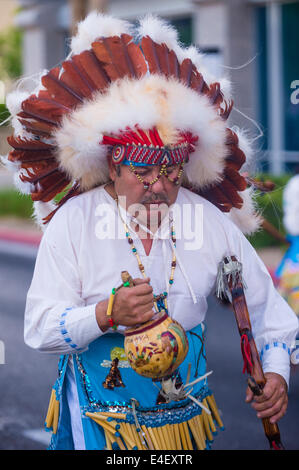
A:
x: 27, y: 376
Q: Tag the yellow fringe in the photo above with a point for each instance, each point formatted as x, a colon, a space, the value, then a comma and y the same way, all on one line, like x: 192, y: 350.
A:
x: 52, y: 417
x: 179, y: 436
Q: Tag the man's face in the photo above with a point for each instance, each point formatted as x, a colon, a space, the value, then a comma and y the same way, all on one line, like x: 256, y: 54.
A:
x: 155, y: 201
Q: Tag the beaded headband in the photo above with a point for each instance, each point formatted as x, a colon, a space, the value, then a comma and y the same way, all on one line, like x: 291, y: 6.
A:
x: 147, y: 148
x: 144, y: 155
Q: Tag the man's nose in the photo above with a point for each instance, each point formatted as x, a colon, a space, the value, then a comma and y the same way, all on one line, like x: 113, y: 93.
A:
x: 158, y: 185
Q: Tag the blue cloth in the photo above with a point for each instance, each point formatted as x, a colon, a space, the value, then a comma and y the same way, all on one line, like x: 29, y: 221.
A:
x: 91, y: 369
x: 290, y: 257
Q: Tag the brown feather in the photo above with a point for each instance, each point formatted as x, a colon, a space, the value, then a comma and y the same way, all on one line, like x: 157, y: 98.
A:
x: 215, y: 95
x: 186, y: 69
x: 235, y: 178
x: 233, y: 165
x: 59, y: 91
x: 236, y: 155
x: 230, y: 192
x: 151, y: 56
x: 48, y: 182
x: 113, y: 55
x: 24, y: 144
x: 76, y: 81
x: 89, y: 65
x: 174, y: 65
x: 26, y: 156
x: 216, y: 196
x: 54, y: 187
x: 163, y: 58
x: 38, y: 128
x: 213, y: 194
x: 224, y: 111
x: 231, y: 137
x: 197, y: 82
x: 33, y: 177
x: 134, y: 56
x: 44, y: 110
x: 73, y: 191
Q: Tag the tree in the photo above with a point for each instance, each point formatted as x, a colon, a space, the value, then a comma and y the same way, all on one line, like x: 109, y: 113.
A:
x: 10, y: 63
x: 80, y: 9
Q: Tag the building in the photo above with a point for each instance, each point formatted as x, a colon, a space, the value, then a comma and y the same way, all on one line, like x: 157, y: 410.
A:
x: 252, y: 41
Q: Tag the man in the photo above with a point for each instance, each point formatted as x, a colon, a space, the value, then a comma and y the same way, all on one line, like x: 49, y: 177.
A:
x: 133, y: 129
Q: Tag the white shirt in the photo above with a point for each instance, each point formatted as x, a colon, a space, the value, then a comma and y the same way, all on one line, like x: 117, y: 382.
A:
x: 77, y: 267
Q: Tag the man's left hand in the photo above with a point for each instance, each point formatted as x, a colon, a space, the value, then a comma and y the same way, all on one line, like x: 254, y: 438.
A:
x: 274, y: 400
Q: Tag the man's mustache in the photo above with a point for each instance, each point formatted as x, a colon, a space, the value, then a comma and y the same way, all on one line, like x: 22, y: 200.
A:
x: 154, y: 198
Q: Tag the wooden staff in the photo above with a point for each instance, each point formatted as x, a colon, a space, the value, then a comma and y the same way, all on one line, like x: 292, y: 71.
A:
x: 268, y: 227
x: 252, y: 363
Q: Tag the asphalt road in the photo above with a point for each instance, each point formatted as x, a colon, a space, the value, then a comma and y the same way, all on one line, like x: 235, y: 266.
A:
x: 27, y: 376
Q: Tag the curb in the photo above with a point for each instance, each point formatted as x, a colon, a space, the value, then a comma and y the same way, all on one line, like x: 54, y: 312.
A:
x: 18, y: 236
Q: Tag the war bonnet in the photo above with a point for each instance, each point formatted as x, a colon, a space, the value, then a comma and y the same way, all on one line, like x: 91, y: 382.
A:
x: 129, y: 94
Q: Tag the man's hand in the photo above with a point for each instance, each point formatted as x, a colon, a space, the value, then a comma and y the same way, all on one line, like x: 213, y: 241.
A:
x: 132, y: 305
x: 274, y: 400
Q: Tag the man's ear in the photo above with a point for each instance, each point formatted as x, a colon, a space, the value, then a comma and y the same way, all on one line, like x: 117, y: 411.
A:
x: 112, y: 169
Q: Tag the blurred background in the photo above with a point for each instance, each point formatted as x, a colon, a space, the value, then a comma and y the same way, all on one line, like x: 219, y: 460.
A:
x: 255, y: 44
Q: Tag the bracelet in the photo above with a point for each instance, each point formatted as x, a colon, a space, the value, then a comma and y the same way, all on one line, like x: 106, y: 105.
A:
x: 109, y: 309
x: 110, y: 305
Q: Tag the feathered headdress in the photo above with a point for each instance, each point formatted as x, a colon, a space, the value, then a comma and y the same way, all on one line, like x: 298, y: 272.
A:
x: 142, y: 98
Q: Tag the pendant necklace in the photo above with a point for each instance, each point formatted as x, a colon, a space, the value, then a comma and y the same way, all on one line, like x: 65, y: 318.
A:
x: 160, y: 301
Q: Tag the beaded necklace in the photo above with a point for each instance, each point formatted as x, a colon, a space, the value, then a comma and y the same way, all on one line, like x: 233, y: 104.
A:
x: 161, y: 299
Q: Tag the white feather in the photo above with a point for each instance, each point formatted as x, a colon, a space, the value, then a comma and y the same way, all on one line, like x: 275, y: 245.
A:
x: 14, y: 101
x: 247, y: 219
x: 41, y: 210
x: 159, y: 31
x: 97, y: 25
x: 247, y: 146
x: 200, y: 61
x: 22, y: 187
x: 10, y: 166
x: 291, y: 206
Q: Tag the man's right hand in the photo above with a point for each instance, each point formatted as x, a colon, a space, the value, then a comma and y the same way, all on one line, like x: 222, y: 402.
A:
x: 132, y: 305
